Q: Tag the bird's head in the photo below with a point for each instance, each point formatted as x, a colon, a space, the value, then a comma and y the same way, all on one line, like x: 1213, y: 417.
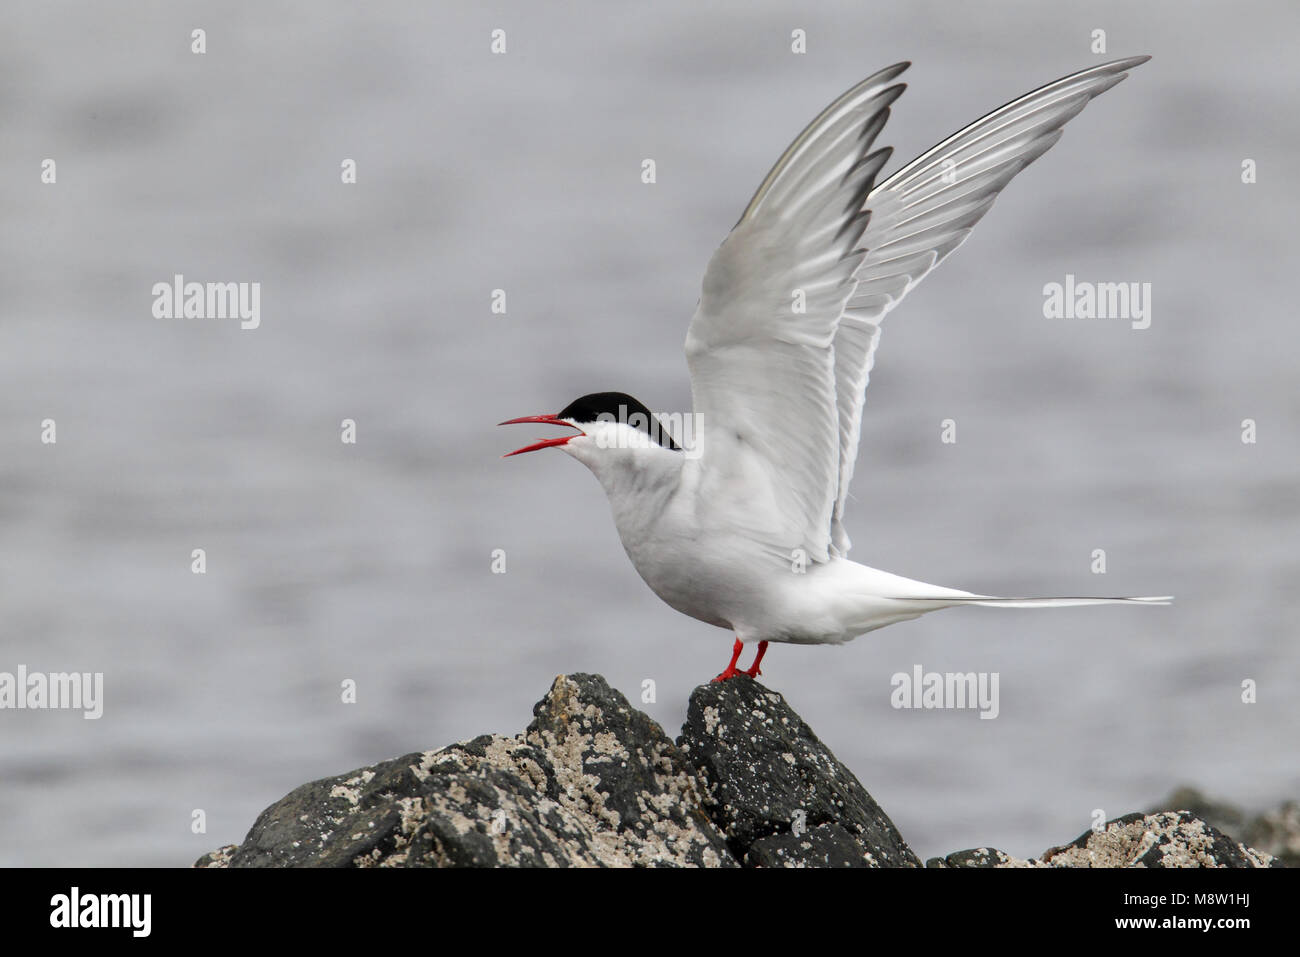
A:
x: 606, y: 423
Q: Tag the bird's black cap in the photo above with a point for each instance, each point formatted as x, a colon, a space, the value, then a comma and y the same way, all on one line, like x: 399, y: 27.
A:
x: 618, y: 407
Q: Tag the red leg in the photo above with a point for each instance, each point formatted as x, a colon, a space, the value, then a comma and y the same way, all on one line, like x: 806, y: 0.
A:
x: 753, y: 671
x: 730, y: 671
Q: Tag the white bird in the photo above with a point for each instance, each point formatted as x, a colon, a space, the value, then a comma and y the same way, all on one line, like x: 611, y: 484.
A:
x: 744, y: 529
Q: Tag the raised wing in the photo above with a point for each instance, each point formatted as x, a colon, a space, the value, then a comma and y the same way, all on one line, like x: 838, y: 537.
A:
x: 926, y: 210
x: 761, y: 344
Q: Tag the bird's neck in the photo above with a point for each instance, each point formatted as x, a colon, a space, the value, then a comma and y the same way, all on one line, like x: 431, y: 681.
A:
x: 639, y: 482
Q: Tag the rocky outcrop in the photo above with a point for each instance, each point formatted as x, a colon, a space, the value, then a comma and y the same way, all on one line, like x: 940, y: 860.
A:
x: 1275, y: 832
x: 777, y: 793
x: 1163, y: 839
x: 592, y: 782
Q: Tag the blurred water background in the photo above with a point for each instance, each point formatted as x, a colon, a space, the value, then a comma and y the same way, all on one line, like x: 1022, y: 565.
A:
x: 373, y: 562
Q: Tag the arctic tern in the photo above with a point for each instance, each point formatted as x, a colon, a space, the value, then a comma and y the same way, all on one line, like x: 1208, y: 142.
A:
x: 744, y: 529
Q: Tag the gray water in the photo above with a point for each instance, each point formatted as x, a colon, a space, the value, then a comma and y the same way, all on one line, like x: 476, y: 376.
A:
x: 372, y: 561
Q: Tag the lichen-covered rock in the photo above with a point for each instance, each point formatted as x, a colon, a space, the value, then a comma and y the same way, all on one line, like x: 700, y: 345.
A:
x: 1275, y: 832
x: 777, y: 793
x: 980, y: 857
x: 1165, y: 839
x: 591, y: 782
x: 218, y: 858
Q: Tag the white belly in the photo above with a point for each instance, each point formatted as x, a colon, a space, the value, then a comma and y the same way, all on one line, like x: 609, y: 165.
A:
x: 711, y: 560
x: 738, y: 585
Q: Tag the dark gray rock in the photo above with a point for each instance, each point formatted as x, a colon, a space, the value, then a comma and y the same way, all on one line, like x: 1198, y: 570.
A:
x: 977, y: 857
x: 826, y: 845
x: 775, y: 791
x: 1165, y: 839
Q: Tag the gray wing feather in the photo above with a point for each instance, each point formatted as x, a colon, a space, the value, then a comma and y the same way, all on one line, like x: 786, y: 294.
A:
x: 923, y: 212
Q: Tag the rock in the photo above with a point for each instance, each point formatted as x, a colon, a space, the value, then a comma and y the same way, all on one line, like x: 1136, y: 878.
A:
x: 592, y: 782
x: 776, y: 792
x: 979, y: 857
x: 1164, y: 839
x: 1225, y: 817
x: 1276, y: 832
x: 826, y: 845
x: 218, y: 858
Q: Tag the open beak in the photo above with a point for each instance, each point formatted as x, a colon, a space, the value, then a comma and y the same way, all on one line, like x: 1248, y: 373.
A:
x: 544, y: 443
